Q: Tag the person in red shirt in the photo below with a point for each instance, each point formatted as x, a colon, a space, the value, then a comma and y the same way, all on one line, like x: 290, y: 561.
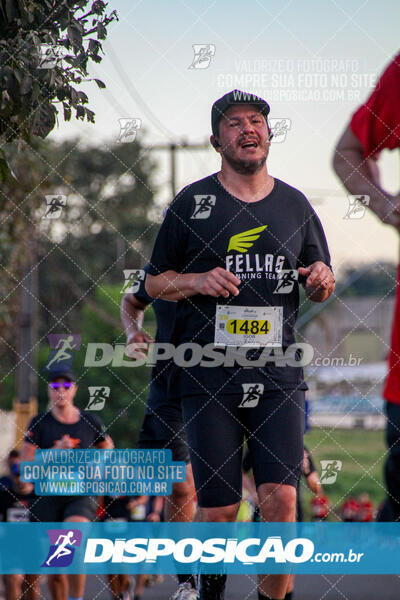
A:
x: 373, y: 127
x: 320, y: 507
x: 350, y: 509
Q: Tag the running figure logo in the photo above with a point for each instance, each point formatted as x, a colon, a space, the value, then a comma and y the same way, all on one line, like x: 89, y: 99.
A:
x: 286, y: 280
x: 133, y: 277
x: 49, y: 56
x: 330, y: 470
x: 279, y: 129
x: 204, y: 204
x: 252, y: 393
x: 61, y: 551
x: 98, y: 396
x: 62, y: 347
x: 203, y: 54
x: 54, y: 206
x: 128, y: 129
x: 357, y: 206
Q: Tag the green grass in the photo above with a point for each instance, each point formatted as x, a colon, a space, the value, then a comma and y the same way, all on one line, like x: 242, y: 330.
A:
x: 362, y: 453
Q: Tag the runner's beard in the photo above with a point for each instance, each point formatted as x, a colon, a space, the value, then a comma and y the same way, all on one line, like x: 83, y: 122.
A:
x: 246, y: 167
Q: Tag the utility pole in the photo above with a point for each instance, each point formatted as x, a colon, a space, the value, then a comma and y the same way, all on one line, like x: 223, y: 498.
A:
x: 173, y: 149
x: 25, y: 402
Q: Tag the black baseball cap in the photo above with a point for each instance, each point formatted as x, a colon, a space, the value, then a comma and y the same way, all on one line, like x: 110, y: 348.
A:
x: 65, y: 373
x: 232, y: 98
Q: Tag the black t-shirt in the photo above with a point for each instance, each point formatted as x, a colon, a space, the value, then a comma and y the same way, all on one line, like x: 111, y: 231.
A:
x: 14, y: 506
x: 116, y: 508
x: 5, y: 482
x: 165, y: 311
x: 44, y: 430
x: 206, y: 227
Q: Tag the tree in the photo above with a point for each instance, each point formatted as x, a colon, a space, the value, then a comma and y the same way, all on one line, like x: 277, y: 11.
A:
x: 45, y: 48
x: 128, y: 385
x: 106, y: 225
x: 20, y: 197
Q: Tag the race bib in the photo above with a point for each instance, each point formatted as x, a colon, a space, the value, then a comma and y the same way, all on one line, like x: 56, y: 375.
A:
x: 248, y: 326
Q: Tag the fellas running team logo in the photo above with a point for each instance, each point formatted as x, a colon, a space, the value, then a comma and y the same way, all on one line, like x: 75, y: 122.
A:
x: 247, y: 265
x: 62, y: 547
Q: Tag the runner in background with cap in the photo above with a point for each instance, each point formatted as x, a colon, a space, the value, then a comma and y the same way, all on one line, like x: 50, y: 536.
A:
x: 6, y: 481
x: 63, y: 426
x: 163, y: 424
x: 222, y: 265
x: 373, y: 127
x: 14, y: 503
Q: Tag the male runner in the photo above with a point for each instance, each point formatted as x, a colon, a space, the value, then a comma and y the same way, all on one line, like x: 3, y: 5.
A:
x: 163, y: 425
x: 373, y: 127
x: 63, y: 426
x: 6, y: 481
x: 223, y: 267
x: 309, y: 473
x: 122, y: 508
x: 14, y: 502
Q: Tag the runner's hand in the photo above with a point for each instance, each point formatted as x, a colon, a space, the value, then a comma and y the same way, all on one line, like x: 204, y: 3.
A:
x: 320, y: 281
x: 134, y: 502
x: 135, y: 352
x: 217, y: 282
x: 153, y: 517
x: 65, y: 442
x: 314, y: 483
x: 24, y: 487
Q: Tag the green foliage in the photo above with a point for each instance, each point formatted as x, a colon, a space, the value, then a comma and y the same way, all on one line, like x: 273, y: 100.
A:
x: 30, y: 93
x: 362, y: 453
x: 20, y: 197
x: 106, y: 226
x: 123, y: 411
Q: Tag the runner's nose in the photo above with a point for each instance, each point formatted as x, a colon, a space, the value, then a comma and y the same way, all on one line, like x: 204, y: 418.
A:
x: 248, y: 127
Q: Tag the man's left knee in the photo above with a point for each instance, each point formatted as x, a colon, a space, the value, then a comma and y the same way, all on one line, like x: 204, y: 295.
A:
x: 276, y: 498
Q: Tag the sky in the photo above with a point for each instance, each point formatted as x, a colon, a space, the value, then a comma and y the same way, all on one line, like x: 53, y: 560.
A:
x: 314, y: 61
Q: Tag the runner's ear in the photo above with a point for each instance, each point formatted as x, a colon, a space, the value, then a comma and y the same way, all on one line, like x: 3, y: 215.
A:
x: 214, y: 142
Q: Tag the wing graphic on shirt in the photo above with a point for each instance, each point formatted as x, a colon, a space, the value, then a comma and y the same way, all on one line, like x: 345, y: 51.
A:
x: 244, y: 240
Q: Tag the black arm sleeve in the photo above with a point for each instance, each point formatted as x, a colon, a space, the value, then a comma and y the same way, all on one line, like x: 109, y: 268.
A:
x: 141, y: 294
x: 308, y: 464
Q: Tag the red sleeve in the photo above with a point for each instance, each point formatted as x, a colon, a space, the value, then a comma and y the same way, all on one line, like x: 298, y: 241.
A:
x: 377, y: 122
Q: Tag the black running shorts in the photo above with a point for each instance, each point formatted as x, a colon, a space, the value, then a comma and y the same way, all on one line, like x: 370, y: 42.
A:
x: 160, y: 432
x: 49, y: 509
x: 216, y: 427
